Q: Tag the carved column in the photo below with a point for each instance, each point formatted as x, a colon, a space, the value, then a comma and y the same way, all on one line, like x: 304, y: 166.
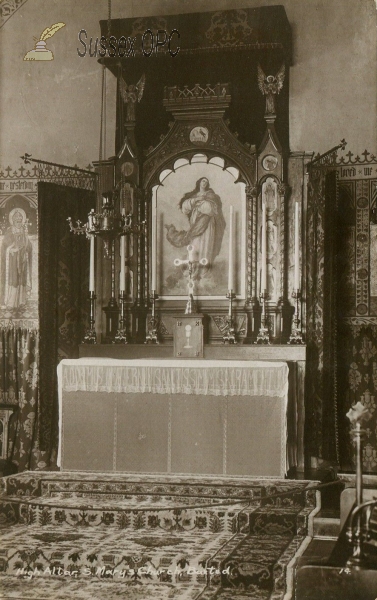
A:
x: 139, y: 310
x: 252, y: 305
x: 285, y: 310
x: 147, y: 244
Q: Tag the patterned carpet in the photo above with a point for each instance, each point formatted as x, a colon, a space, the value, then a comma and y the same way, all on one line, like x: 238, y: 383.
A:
x: 84, y: 536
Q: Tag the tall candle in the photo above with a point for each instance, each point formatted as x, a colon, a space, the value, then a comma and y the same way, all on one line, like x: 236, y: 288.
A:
x: 154, y: 242
x: 91, y: 264
x: 122, y: 276
x: 230, y: 272
x: 297, y: 250
x: 90, y: 219
x: 264, y: 249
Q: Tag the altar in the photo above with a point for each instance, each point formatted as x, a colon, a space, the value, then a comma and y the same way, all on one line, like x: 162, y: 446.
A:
x: 212, y: 417
x: 193, y: 356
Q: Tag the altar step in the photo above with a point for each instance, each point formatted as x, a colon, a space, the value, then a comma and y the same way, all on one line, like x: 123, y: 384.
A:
x: 326, y: 524
x: 47, y: 483
x: 130, y: 514
x: 137, y: 502
x: 91, y: 535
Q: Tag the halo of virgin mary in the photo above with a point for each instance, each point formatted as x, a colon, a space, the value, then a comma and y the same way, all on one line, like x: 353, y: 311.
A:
x: 203, y: 209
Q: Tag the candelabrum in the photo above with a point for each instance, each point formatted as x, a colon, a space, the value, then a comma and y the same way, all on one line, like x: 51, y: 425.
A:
x: 90, y: 336
x: 229, y: 336
x: 121, y: 334
x: 263, y: 336
x: 296, y: 335
x: 108, y: 225
x: 151, y: 337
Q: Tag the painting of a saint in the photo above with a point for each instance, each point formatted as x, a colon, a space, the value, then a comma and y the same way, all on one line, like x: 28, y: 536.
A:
x: 271, y: 239
x: 269, y: 193
x: 16, y: 262
x: 206, y: 223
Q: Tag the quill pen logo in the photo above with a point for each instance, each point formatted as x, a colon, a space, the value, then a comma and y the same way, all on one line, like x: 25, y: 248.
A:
x: 40, y: 51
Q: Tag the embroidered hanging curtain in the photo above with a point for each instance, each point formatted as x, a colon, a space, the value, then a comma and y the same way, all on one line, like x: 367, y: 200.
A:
x: 321, y: 425
x: 63, y: 292
x: 19, y: 386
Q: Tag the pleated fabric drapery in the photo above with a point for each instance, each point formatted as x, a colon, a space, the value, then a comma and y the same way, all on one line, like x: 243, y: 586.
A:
x: 19, y: 373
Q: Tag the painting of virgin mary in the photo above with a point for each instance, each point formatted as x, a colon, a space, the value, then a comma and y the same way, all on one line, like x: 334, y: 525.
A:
x: 203, y: 209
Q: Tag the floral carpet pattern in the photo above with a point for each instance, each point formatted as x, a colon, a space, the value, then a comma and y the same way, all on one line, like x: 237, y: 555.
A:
x: 72, y: 535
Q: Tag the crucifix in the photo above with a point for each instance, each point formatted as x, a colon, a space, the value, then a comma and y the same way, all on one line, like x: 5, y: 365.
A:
x: 190, y: 262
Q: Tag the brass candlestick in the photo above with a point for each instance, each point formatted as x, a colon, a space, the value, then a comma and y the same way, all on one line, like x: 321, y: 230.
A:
x: 90, y: 336
x: 121, y: 334
x: 151, y: 337
x: 296, y: 335
x: 229, y: 336
x: 263, y: 336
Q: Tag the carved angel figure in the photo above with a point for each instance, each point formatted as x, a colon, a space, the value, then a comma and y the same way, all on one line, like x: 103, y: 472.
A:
x: 131, y: 94
x: 270, y: 86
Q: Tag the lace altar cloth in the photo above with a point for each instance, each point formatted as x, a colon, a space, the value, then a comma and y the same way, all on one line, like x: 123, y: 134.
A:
x: 226, y: 405
x: 201, y: 377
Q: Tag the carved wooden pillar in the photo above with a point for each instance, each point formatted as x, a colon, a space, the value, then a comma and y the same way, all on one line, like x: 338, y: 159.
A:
x: 140, y: 262
x: 285, y: 310
x: 147, y: 241
x: 252, y: 305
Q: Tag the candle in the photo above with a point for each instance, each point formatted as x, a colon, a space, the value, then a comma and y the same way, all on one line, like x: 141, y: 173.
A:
x: 91, y: 264
x: 154, y: 243
x: 264, y: 250
x: 230, y: 272
x: 122, y: 277
x: 297, y: 249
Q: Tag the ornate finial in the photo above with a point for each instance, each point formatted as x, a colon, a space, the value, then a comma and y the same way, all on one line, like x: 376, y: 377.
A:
x: 270, y: 86
x: 26, y: 158
x: 131, y: 94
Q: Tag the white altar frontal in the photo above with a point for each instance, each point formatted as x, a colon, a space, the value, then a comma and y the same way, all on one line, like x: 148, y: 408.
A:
x: 212, y: 417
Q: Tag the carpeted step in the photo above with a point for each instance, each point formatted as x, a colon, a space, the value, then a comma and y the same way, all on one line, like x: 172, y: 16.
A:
x: 163, y: 514
x: 91, y: 535
x: 45, y: 497
x: 111, y: 485
x: 189, y: 561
